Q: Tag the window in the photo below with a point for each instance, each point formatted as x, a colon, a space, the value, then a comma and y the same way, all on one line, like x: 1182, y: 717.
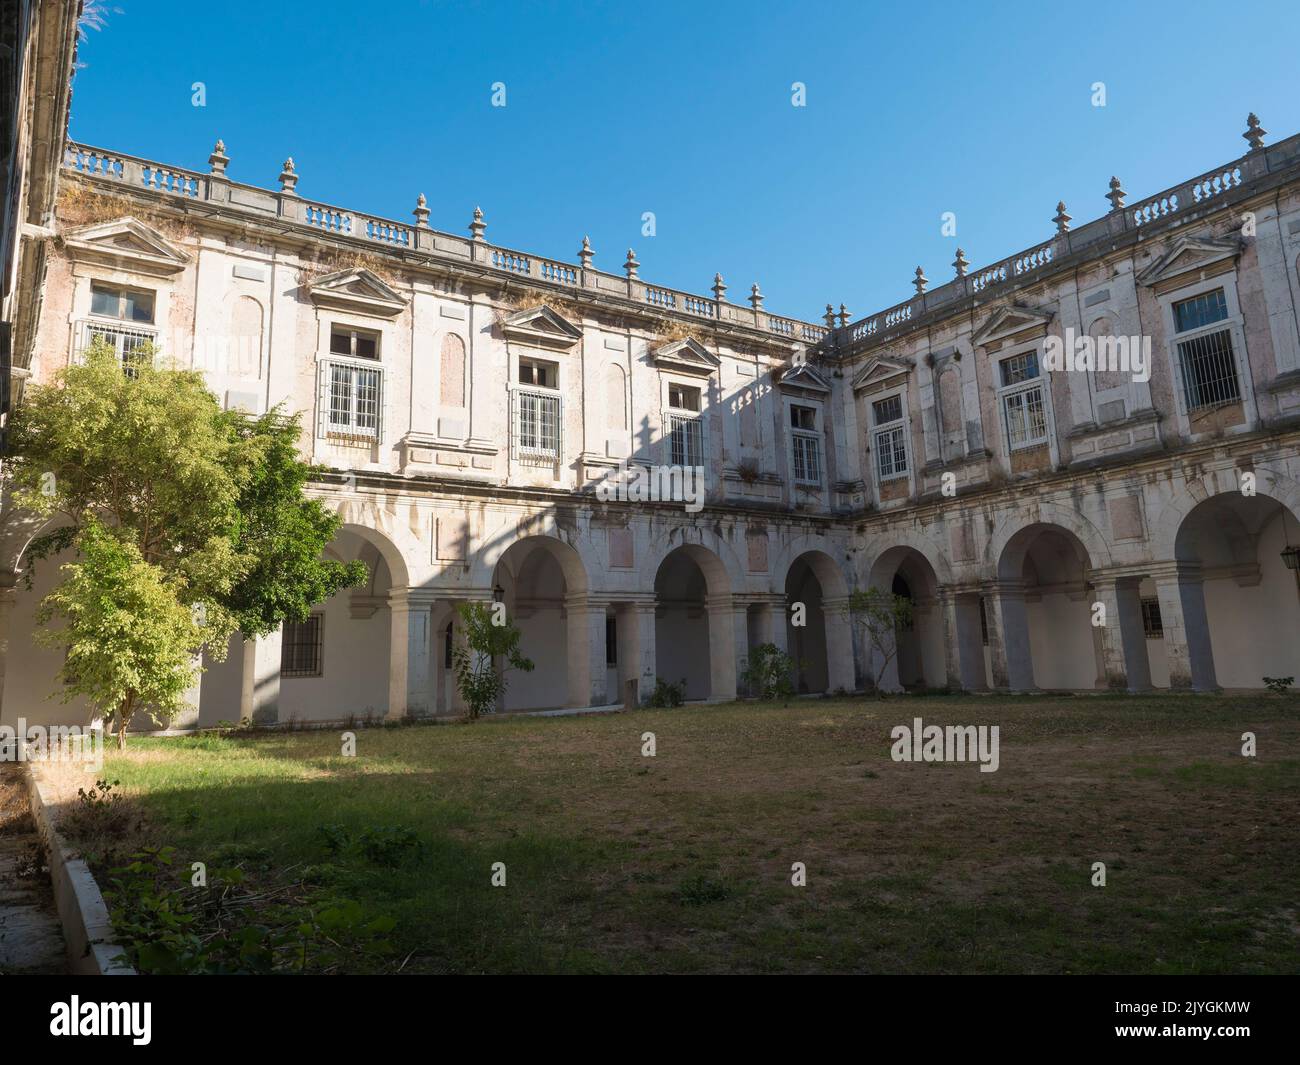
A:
x: 984, y: 621
x: 806, y: 445
x: 537, y: 427
x: 611, y: 640
x: 448, y: 643
x: 358, y: 343
x: 683, y: 397
x: 1024, y: 412
x: 353, y: 400
x: 538, y: 374
x: 889, y: 438
x: 128, y: 341
x: 1152, y: 627
x: 300, y: 648
x: 121, y: 303
x: 1205, y: 357
x: 685, y: 439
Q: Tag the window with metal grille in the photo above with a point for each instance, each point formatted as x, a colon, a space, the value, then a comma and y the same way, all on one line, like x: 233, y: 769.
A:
x: 359, y: 343
x: 1025, y: 417
x: 685, y: 439
x: 353, y: 399
x: 1205, y: 359
x: 129, y: 342
x: 891, y: 453
x: 1152, y: 626
x: 300, y: 647
x: 984, y: 621
x: 807, y: 457
x: 537, y: 427
x: 611, y: 640
x: 884, y: 411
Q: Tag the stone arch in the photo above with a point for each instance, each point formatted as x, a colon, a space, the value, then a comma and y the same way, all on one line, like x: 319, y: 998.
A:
x: 1240, y: 603
x: 1069, y: 520
x: 822, y: 647
x: 695, y: 622
x: 718, y: 560
x: 1042, y: 634
x: 1168, y: 520
x: 921, y: 658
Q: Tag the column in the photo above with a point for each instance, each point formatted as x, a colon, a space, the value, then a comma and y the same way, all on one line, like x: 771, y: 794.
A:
x: 954, y: 649
x: 722, y: 647
x: 640, y: 637
x: 408, y: 655
x: 1187, y: 627
x: 840, y: 674
x: 259, y: 700
x: 1013, y: 667
x: 586, y: 640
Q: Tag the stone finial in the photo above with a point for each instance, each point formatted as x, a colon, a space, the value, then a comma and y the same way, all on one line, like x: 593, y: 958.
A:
x: 421, y: 210
x: 829, y: 317
x: 218, y: 159
x: 960, y: 263
x: 1255, y: 133
x: 920, y: 281
x: 843, y: 316
x: 1062, y: 219
x: 719, y: 289
x: 630, y: 265
x: 585, y: 253
x: 289, y: 177
x: 1116, y: 194
x: 755, y: 297
x: 477, y: 226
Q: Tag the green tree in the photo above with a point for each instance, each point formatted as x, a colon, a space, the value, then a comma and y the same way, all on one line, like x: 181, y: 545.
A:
x: 880, y: 616
x: 129, y: 641
x: 209, y: 499
x: 478, y: 679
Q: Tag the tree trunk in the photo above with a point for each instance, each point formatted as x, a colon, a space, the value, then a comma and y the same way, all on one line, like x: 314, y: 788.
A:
x: 123, y: 719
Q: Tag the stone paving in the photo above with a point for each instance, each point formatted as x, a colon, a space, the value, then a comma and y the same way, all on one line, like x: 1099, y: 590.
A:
x: 31, y: 939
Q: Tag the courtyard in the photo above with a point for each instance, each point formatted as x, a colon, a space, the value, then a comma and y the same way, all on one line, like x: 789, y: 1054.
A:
x: 615, y: 861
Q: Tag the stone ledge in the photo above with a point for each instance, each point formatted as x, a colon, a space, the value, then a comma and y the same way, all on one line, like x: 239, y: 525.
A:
x: 87, y: 928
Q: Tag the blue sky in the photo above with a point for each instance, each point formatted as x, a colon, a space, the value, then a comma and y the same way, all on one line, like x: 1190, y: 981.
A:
x: 684, y: 110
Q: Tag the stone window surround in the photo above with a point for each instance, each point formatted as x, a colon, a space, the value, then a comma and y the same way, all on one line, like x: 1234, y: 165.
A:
x: 1001, y: 392
x: 900, y: 390
x: 1235, y: 324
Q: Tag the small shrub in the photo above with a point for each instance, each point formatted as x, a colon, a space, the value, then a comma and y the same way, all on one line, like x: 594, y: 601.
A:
x: 1279, y: 685
x: 768, y: 672
x: 668, y: 694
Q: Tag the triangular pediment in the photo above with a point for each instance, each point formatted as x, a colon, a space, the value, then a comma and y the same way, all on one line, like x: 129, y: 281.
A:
x: 687, y: 356
x: 881, y: 368
x: 128, y: 244
x: 357, y: 290
x: 804, y: 376
x: 1186, y: 255
x: 541, y: 326
x: 1007, y: 321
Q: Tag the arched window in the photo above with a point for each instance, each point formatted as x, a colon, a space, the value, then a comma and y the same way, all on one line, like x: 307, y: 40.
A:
x: 246, y: 328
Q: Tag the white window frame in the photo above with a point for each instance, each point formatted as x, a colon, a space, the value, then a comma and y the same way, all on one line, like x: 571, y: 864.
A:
x: 352, y: 429
x: 124, y: 336
x: 684, y: 429
x: 1178, y: 339
x: 896, y: 427
x: 807, y: 441
x: 1021, y: 390
x: 122, y: 290
x: 544, y: 452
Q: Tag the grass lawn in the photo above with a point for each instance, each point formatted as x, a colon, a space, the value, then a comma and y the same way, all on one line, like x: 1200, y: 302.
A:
x: 617, y: 862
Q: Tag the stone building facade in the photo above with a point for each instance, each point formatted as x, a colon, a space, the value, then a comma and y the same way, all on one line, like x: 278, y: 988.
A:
x: 471, y: 401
